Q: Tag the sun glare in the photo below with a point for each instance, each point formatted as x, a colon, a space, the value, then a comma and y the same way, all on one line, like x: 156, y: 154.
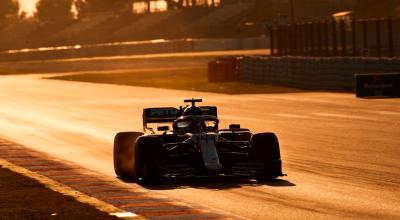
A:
x: 28, y: 6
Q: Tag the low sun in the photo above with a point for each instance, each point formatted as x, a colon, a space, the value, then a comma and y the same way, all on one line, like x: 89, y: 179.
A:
x: 28, y: 6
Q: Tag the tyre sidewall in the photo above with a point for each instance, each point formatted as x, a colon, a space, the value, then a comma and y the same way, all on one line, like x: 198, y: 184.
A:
x: 124, y: 154
x: 265, y: 149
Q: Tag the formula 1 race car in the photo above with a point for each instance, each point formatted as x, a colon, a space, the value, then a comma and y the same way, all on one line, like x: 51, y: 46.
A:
x: 194, y: 146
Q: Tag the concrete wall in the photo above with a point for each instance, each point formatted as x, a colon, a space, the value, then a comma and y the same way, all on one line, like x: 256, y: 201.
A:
x: 336, y: 73
x: 136, y: 48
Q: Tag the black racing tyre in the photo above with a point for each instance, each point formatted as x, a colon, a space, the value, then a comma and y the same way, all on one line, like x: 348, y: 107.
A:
x: 148, y: 156
x: 265, y: 149
x: 124, y: 154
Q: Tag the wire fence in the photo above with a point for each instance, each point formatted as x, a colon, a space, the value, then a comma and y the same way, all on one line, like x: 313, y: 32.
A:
x: 346, y: 37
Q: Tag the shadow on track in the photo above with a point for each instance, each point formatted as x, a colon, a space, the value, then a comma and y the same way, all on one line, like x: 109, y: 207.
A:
x: 214, y: 183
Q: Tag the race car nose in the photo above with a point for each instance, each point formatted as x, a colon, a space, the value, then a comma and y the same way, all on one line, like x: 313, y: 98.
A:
x: 207, y: 142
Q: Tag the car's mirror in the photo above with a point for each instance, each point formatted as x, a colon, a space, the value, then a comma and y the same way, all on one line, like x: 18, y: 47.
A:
x: 183, y: 124
x: 234, y: 126
x: 210, y: 125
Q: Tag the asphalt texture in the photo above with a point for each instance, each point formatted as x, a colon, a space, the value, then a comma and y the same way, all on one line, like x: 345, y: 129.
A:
x: 341, y: 154
x: 25, y: 198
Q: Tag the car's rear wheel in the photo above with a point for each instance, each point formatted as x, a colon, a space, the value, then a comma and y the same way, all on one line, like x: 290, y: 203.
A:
x: 148, y: 156
x: 265, y: 149
x: 124, y: 154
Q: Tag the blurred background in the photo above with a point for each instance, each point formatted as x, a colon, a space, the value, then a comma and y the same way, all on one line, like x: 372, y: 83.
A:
x: 50, y: 23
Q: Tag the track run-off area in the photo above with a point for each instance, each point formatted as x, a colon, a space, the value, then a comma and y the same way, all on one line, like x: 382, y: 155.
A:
x: 341, y: 154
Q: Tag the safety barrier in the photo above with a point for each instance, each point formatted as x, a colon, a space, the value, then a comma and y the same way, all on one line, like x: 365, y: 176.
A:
x: 224, y: 69
x: 135, y: 48
x: 335, y: 73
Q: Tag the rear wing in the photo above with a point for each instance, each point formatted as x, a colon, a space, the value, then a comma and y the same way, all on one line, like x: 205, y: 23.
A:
x: 158, y: 115
x: 170, y: 114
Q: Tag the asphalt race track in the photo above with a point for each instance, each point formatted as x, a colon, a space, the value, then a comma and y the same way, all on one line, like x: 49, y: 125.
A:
x: 341, y: 154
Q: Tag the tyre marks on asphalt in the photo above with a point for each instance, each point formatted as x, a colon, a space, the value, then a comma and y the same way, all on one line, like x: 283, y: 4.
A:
x: 286, y: 115
x: 128, y: 197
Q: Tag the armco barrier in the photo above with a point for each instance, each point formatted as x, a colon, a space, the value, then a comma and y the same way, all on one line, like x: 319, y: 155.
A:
x: 378, y: 85
x: 334, y: 73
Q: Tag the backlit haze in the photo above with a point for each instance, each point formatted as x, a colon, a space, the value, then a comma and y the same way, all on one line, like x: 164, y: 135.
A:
x: 28, y: 6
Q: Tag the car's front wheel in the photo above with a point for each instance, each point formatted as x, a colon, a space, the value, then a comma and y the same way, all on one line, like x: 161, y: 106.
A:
x: 265, y: 149
x: 124, y: 154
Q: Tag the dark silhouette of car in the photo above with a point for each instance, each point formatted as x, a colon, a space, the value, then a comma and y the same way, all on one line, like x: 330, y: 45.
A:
x: 194, y: 146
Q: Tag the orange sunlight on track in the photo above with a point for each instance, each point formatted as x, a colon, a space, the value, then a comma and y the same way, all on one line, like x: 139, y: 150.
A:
x: 341, y: 153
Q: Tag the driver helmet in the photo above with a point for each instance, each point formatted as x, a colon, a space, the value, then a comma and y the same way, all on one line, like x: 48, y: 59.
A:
x: 192, y: 110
